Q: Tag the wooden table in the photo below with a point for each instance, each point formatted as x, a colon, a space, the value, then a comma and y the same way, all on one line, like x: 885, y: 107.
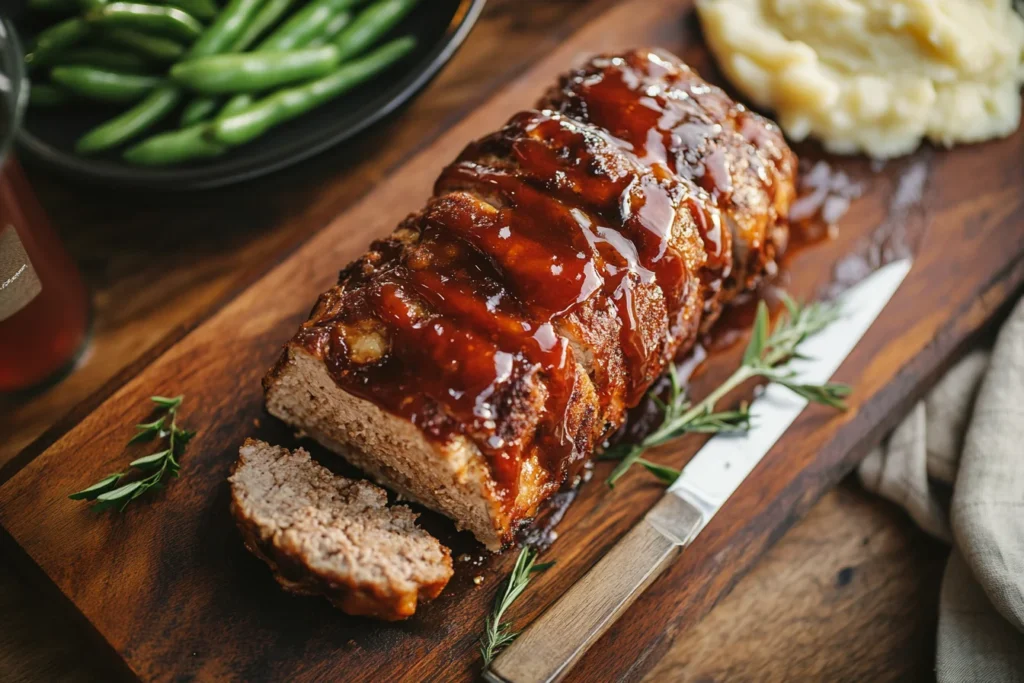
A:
x: 849, y: 593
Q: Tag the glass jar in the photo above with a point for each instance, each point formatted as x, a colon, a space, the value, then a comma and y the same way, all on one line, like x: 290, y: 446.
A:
x: 44, y: 307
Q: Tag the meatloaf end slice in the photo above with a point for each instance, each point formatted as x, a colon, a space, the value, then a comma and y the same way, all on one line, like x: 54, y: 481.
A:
x: 326, y: 535
x: 380, y: 391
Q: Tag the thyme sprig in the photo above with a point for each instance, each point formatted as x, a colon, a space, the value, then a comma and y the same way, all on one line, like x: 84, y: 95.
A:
x: 498, y: 634
x: 107, y: 493
x: 765, y: 357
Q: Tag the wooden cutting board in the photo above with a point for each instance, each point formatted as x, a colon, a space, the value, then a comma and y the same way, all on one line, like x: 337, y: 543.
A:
x: 170, y: 590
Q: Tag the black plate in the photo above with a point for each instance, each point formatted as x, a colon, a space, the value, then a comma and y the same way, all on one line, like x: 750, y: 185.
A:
x: 440, y: 26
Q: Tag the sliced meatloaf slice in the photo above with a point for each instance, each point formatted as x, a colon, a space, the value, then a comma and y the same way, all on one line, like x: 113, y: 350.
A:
x: 326, y: 535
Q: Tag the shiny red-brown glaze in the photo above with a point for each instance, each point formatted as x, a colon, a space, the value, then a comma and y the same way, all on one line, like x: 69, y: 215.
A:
x: 599, y: 223
x: 561, y: 264
x: 663, y: 113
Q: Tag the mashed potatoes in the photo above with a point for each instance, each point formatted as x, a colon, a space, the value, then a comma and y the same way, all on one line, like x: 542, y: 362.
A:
x: 874, y: 76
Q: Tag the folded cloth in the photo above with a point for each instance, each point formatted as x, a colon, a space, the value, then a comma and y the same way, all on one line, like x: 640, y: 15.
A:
x: 956, y: 464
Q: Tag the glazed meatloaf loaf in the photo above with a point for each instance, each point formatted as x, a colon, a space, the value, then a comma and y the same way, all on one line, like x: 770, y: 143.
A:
x: 473, y: 360
x: 326, y: 535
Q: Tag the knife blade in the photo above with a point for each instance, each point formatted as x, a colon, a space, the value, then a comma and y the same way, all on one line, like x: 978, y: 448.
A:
x: 549, y: 647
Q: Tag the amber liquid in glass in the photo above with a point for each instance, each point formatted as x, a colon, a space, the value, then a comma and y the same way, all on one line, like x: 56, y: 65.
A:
x: 45, y: 322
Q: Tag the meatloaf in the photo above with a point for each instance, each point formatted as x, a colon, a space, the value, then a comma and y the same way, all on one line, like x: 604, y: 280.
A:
x: 473, y: 360
x: 326, y: 535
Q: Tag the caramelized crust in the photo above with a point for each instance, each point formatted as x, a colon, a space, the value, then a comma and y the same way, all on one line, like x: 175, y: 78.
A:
x: 663, y: 113
x: 561, y: 264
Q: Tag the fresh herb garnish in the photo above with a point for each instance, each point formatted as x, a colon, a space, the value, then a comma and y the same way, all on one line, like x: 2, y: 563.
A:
x: 765, y: 357
x: 498, y: 635
x: 106, y: 492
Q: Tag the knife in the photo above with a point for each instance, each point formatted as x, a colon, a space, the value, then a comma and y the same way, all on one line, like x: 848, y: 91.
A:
x: 549, y: 647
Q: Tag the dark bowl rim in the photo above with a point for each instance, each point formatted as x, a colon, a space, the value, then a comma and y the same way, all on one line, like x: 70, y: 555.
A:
x: 247, y: 168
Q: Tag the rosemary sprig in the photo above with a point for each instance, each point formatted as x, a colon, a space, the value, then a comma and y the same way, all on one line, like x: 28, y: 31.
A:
x: 498, y: 635
x: 107, y: 493
x: 765, y: 357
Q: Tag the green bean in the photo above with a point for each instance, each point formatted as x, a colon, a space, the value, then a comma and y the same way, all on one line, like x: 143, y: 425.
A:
x: 269, y: 15
x: 200, y: 9
x: 370, y: 24
x: 226, y: 28
x: 236, y: 104
x: 304, y: 25
x: 199, y: 109
x: 294, y: 33
x: 251, y: 72
x: 194, y: 142
x: 221, y: 33
x: 132, y: 122
x: 104, y: 57
x: 154, y: 47
x: 102, y: 85
x: 170, y: 22
x: 289, y: 103
x: 55, y: 40
x: 175, y: 147
x: 47, y: 95
x: 332, y: 29
x: 305, y: 28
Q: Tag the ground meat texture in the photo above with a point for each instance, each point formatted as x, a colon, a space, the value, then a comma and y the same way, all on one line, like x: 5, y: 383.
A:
x: 326, y: 535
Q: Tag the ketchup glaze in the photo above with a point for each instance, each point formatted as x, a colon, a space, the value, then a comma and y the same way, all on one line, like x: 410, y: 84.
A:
x: 561, y: 264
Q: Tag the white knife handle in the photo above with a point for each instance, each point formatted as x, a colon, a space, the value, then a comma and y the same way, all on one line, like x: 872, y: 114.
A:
x: 551, y: 645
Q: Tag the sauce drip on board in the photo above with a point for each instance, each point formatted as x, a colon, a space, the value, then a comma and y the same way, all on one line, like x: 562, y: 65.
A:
x: 824, y: 196
x: 562, y: 263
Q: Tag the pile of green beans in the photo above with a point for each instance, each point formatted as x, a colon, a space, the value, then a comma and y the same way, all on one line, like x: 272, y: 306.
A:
x: 235, y: 72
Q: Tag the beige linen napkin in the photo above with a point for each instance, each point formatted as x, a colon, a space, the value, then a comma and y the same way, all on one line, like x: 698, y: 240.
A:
x: 967, y: 437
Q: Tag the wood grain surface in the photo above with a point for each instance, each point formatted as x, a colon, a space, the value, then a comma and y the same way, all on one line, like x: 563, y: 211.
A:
x: 148, y: 292
x: 562, y: 635
x: 181, y: 582
x: 849, y: 594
